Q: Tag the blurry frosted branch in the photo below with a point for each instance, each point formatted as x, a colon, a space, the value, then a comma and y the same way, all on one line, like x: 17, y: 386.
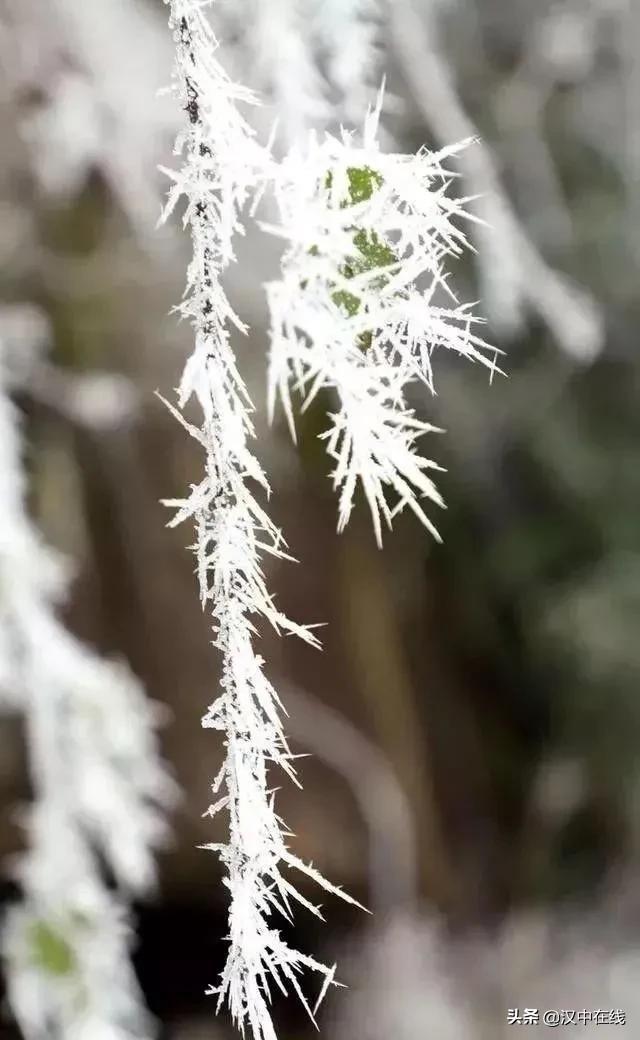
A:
x: 396, y: 967
x: 401, y: 986
x: 276, y: 48
x: 316, y: 61
x: 85, y: 78
x: 222, y: 167
x: 513, y: 274
x: 393, y: 857
x: 347, y: 32
x: 95, y: 400
x: 363, y: 304
x: 560, y: 50
x: 99, y: 791
x: 520, y: 109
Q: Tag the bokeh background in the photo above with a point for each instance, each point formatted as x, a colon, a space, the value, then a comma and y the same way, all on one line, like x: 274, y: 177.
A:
x: 473, y: 720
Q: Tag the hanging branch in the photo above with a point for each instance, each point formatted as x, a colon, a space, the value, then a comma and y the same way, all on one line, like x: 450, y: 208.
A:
x: 222, y: 166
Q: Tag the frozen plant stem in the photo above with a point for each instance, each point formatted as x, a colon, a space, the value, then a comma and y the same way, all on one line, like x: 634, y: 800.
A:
x: 222, y: 167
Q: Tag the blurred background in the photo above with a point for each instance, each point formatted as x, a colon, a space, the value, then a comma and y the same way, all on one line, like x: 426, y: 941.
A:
x: 473, y: 721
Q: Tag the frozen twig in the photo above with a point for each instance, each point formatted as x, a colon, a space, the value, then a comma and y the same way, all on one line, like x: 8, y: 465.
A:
x: 222, y: 167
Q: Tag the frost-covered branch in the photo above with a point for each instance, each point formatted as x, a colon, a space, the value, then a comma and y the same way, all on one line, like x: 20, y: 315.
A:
x: 99, y: 790
x: 222, y: 166
x: 363, y: 303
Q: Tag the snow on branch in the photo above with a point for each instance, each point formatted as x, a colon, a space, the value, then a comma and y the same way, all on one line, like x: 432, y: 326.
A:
x: 222, y: 167
x: 99, y: 791
x: 362, y: 305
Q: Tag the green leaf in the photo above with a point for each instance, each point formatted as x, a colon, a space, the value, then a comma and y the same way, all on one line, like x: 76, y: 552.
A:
x: 372, y: 252
x: 363, y: 181
x: 50, y: 950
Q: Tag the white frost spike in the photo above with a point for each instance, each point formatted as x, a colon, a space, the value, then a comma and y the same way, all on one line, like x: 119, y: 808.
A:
x: 223, y: 165
x: 364, y: 302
